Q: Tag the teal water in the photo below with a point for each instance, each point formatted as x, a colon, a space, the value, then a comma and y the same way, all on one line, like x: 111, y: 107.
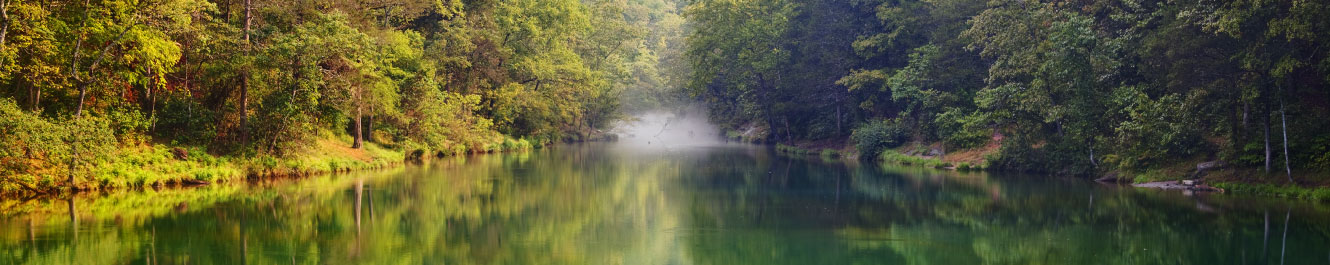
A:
x: 619, y: 204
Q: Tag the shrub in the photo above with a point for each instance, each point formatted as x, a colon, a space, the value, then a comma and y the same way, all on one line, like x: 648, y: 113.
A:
x: 873, y: 137
x: 733, y: 135
x: 34, y: 148
x: 960, y: 130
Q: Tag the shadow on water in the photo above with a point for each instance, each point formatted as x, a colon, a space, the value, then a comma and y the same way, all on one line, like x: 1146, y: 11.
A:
x: 627, y: 203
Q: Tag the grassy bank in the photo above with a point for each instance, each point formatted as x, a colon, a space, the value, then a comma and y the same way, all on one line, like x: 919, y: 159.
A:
x: 1311, y: 185
x: 812, y: 151
x: 156, y: 165
x: 162, y: 165
x: 1272, y: 190
x: 1314, y: 186
x: 930, y: 155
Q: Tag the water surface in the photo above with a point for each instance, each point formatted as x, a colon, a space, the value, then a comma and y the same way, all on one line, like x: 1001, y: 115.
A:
x: 635, y: 204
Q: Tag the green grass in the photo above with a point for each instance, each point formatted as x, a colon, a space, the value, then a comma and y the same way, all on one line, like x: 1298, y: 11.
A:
x: 1151, y: 176
x: 1314, y: 194
x: 793, y: 150
x: 893, y: 157
x: 739, y: 136
x: 327, y: 155
x: 734, y: 135
x: 156, y: 165
x: 137, y: 166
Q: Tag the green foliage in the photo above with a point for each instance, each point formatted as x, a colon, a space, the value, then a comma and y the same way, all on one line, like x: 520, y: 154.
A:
x: 874, y: 137
x: 893, y: 157
x: 444, y: 77
x: 794, y: 150
x: 38, y: 152
x: 830, y: 153
x: 1064, y: 87
x: 1154, y: 130
x: 960, y: 130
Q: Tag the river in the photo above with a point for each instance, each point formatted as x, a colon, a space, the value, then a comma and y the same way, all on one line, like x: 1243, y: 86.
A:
x: 637, y: 203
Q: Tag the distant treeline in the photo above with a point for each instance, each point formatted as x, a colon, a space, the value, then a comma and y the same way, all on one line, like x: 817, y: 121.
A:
x: 80, y: 79
x: 1073, y: 87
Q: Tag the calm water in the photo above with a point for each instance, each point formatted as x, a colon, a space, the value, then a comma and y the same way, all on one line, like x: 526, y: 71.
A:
x: 610, y: 204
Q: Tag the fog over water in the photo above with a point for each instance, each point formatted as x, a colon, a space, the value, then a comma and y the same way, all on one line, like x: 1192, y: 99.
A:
x: 668, y: 129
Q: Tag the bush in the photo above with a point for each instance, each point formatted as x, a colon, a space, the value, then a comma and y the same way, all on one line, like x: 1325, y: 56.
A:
x: 873, y: 137
x: 893, y: 157
x: 959, y: 130
x: 34, y: 148
x: 1050, y: 157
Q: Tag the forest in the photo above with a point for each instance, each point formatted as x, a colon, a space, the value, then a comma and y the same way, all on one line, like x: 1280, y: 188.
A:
x: 1089, y: 88
x: 121, y: 93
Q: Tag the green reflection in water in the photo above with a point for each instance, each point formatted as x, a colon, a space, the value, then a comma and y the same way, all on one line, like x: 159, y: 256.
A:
x: 607, y: 204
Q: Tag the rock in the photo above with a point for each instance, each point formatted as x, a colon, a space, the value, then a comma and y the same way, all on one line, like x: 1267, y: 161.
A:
x: 180, y: 153
x: 194, y: 182
x: 1206, y: 166
x: 1175, y: 185
x: 1111, y: 177
x: 934, y: 152
x: 1203, y: 167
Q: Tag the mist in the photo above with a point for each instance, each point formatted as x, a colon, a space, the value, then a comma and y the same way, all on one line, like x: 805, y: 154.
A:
x: 673, y: 128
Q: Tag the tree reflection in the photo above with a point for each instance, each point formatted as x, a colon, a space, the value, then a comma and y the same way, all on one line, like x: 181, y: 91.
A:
x: 599, y: 205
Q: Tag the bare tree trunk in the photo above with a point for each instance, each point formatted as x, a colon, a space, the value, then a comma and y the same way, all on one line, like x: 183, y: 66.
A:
x: 244, y: 77
x: 83, y: 95
x: 35, y: 95
x: 369, y: 124
x: 1266, y: 126
x: 358, y: 136
x: 1284, y: 121
x: 1092, y: 162
x: 4, y: 21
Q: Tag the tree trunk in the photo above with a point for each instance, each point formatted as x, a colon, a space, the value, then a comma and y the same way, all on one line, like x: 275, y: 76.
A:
x: 1092, y: 162
x: 1266, y: 126
x: 36, y: 94
x: 73, y: 160
x: 369, y: 124
x: 83, y: 94
x: 358, y: 137
x: 244, y: 78
x: 1284, y: 121
x: 4, y: 21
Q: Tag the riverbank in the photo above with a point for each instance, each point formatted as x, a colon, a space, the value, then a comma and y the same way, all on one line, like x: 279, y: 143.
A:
x: 160, y: 165
x: 157, y: 165
x: 1216, y: 176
